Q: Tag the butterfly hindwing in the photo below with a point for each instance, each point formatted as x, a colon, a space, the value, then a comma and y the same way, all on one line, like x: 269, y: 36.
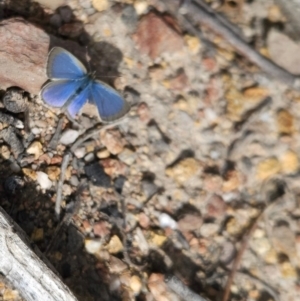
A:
x: 78, y: 102
x: 57, y: 93
x: 110, y: 104
x: 64, y: 65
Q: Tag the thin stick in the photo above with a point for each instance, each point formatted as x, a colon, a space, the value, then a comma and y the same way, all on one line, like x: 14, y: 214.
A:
x: 66, y: 159
x: 239, y: 256
x: 55, y: 138
x: 197, y: 13
x: 60, y: 184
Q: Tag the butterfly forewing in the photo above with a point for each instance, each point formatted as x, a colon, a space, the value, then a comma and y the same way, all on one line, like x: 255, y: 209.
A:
x: 110, y: 104
x: 57, y: 93
x: 64, y: 65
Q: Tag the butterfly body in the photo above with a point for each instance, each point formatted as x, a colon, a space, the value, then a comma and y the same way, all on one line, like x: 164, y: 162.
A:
x: 71, y: 87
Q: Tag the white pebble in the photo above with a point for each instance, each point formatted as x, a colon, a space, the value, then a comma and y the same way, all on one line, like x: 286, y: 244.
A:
x: 166, y: 221
x: 69, y: 136
x: 36, y: 131
x: 92, y: 246
x: 43, y: 180
x: 80, y: 152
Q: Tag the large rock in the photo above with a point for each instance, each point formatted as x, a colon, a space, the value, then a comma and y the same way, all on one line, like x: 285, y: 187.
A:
x: 24, y: 52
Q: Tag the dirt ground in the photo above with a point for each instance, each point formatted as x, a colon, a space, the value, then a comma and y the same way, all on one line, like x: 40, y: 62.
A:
x: 197, y: 184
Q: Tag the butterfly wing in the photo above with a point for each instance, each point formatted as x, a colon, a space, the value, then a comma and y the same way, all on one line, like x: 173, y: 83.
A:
x: 64, y: 65
x: 57, y: 93
x: 78, y: 102
x: 110, y: 104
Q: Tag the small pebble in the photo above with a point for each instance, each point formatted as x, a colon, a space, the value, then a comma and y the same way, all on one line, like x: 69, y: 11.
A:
x: 80, y: 152
x: 15, y: 101
x: 89, y: 157
x: 103, y: 153
x: 127, y: 156
x: 92, y: 246
x: 115, y: 245
x: 100, y: 5
x: 135, y: 284
x: 74, y: 181
x: 36, y: 131
x: 67, y: 190
x: 166, y: 221
x: 43, y: 180
x: 65, y: 13
x: 56, y: 20
x: 69, y: 136
x: 35, y: 149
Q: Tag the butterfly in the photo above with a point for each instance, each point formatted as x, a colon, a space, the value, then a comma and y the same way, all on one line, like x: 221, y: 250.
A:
x: 71, y: 87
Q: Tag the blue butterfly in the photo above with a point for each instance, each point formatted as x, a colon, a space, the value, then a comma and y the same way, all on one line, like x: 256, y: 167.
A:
x: 71, y: 87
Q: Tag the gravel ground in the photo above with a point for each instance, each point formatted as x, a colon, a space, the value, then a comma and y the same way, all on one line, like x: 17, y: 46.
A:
x: 203, y: 166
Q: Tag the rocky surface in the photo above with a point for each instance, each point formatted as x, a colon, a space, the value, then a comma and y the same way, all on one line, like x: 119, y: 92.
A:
x: 209, y: 144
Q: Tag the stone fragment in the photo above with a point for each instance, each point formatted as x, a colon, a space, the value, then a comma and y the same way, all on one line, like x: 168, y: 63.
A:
x: 283, y: 239
x: 30, y: 173
x: 209, y: 229
x: 115, y: 245
x: 15, y: 100
x: 68, y: 137
x: 43, y: 180
x: 288, y: 270
x: 65, y: 13
x: 114, y: 167
x: 92, y: 246
x: 179, y: 82
x: 53, y: 4
x: 267, y: 168
x: 37, y: 234
x: 193, y: 43
x: 190, y: 222
x: 289, y: 162
x: 143, y: 220
x: 71, y: 30
x: 166, y: 221
x: 285, y: 122
x: 135, y: 284
x: 183, y: 170
x: 284, y: 51
x: 215, y: 207
x: 35, y: 149
x: 128, y: 156
x: 103, y: 154
x: 113, y: 141
x: 9, y: 136
x: 232, y: 181
x: 101, y: 229
x: 228, y: 252
x: 80, y: 152
x: 143, y: 112
x: 53, y: 172
x: 155, y: 36
x: 9, y: 295
x: 97, y: 175
x: 256, y: 94
x: 100, y: 5
x: 157, y: 239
